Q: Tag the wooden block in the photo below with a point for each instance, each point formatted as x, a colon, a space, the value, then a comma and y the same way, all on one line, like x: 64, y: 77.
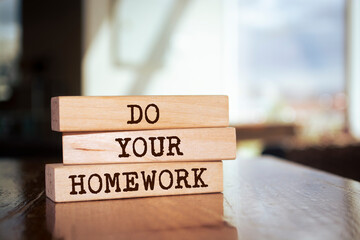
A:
x: 200, y: 144
x: 111, y: 181
x: 78, y: 114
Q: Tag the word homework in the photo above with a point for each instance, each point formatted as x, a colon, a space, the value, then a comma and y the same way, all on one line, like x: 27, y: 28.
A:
x: 108, y: 181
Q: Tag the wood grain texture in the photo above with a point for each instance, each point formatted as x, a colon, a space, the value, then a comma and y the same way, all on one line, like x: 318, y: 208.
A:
x: 275, y: 199
x: 112, y: 181
x: 197, y: 216
x: 80, y: 113
x: 201, y: 144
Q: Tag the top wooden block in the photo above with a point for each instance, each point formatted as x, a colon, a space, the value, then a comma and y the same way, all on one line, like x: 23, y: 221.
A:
x: 80, y: 113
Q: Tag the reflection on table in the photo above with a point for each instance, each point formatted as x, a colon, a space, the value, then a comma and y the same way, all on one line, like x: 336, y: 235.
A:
x: 171, y: 217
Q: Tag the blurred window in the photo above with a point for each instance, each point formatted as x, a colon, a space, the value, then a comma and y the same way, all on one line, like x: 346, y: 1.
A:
x: 161, y: 47
x: 293, y: 52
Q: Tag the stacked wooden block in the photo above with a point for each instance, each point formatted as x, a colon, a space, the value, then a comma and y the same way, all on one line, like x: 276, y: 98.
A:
x: 139, y: 146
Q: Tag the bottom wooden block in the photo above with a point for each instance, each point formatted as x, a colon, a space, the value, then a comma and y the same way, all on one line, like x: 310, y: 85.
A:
x: 110, y: 181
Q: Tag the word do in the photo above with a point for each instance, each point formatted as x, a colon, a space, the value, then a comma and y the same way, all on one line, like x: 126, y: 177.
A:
x: 140, y: 114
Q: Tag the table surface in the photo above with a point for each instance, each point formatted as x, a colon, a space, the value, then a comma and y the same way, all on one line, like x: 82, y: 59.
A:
x: 263, y: 198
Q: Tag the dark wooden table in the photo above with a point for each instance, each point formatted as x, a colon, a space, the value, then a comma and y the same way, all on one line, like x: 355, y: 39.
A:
x: 264, y: 198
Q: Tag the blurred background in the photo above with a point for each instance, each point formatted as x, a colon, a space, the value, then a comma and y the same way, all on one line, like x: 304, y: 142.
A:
x: 290, y: 68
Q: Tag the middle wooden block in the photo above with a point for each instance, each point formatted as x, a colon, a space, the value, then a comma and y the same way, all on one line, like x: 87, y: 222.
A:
x: 199, y: 144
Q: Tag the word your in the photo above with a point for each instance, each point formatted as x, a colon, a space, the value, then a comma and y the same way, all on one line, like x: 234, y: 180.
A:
x: 140, y: 114
x: 164, y: 180
x: 173, y: 142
